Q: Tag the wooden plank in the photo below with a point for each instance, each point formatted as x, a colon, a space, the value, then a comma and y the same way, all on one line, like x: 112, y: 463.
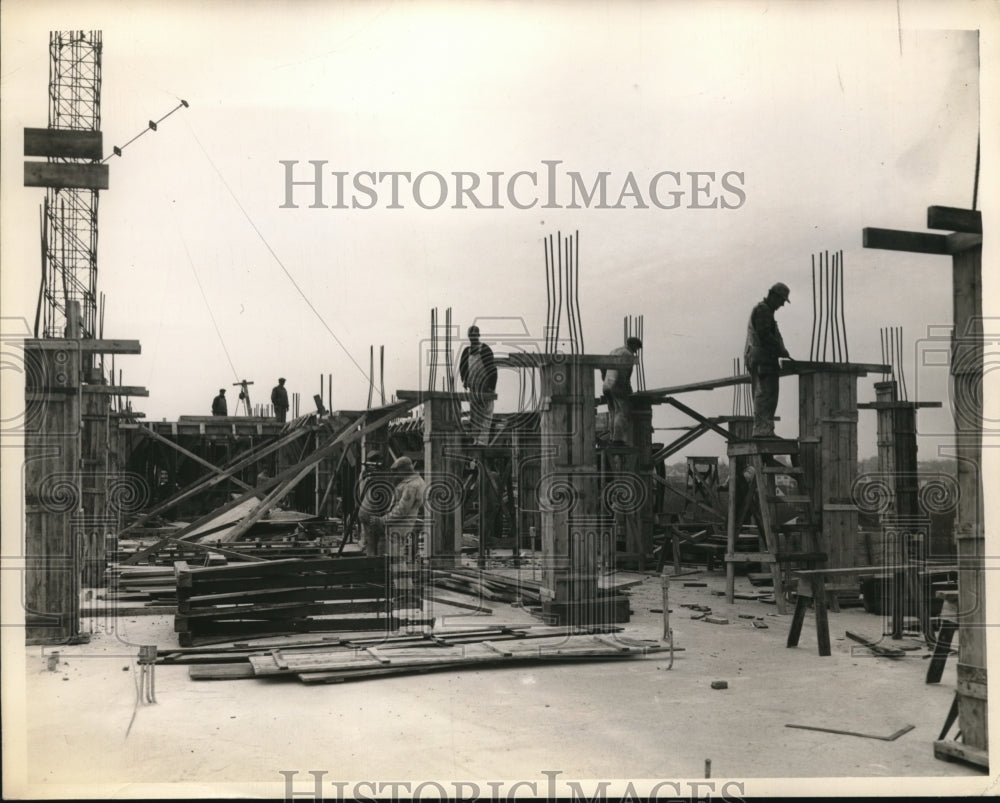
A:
x: 890, y: 738
x: 114, y: 390
x: 229, y: 671
x: 63, y: 143
x: 66, y: 176
x: 193, y: 618
x: 952, y: 751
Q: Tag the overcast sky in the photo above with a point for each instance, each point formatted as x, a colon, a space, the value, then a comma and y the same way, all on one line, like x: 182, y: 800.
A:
x: 827, y: 118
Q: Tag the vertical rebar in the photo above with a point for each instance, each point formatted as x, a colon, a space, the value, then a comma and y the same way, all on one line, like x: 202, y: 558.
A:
x: 812, y: 337
x: 559, y: 293
x: 902, y: 375
x: 381, y: 373
x: 568, y: 247
x: 576, y: 291
x: 550, y: 266
x: 843, y: 322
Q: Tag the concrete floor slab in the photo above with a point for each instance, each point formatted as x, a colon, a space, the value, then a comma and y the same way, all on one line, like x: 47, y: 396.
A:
x: 634, y: 719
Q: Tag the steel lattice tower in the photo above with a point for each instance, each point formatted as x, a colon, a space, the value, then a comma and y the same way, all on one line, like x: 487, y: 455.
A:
x: 69, y: 226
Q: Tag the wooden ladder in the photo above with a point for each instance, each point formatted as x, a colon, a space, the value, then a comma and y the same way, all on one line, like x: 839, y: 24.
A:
x: 758, y: 458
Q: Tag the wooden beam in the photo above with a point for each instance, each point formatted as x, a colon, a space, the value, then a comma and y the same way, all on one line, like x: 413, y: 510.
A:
x: 90, y: 345
x: 204, y: 483
x: 698, y: 417
x: 912, y: 241
x: 421, y: 396
x: 949, y: 218
x: 158, y: 437
x: 64, y: 143
x: 66, y: 176
x: 812, y: 366
x: 918, y: 242
x: 350, y: 432
x: 115, y: 390
x: 896, y: 405
x: 674, y: 447
x: 708, y: 384
x: 595, y: 361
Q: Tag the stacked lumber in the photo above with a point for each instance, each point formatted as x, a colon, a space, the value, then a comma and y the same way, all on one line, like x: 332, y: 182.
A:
x: 167, y: 553
x: 485, y: 586
x: 153, y: 585
x: 283, y: 596
x: 354, y: 659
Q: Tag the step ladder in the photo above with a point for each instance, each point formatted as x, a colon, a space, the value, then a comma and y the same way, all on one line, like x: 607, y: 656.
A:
x: 761, y: 500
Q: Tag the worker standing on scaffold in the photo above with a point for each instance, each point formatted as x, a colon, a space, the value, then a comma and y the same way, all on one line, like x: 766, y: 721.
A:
x: 219, y: 406
x: 762, y: 353
x: 279, y: 399
x: 618, y: 391
x: 478, y: 372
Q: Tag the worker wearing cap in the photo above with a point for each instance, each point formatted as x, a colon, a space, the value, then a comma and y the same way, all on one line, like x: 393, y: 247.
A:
x: 764, y: 349
x: 478, y: 372
x: 618, y: 391
x: 401, y: 520
x: 219, y: 406
x: 279, y: 400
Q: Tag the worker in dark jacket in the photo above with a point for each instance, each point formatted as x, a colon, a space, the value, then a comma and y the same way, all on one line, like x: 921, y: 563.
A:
x: 219, y: 406
x: 763, y: 352
x: 279, y: 400
x: 479, y: 376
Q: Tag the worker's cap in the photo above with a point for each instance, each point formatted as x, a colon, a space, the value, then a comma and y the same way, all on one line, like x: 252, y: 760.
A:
x: 473, y: 330
x: 222, y: 390
x: 633, y: 343
x: 781, y: 289
x: 402, y: 464
x: 281, y: 379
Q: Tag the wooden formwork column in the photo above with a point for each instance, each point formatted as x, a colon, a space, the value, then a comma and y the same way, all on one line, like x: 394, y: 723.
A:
x: 525, y: 440
x: 965, y: 246
x: 639, y: 513
x: 967, y: 401
x: 828, y: 453
x: 576, y: 529
x: 897, y: 448
x: 443, y: 470
x: 95, y: 520
x: 52, y: 486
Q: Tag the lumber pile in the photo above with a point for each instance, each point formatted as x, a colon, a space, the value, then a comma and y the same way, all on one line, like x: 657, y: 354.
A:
x: 153, y: 585
x: 488, y: 587
x: 283, y: 596
x: 485, y: 586
x: 168, y: 551
x: 364, y: 658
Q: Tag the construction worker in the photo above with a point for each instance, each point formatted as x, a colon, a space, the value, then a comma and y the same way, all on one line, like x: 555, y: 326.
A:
x: 479, y: 376
x: 279, y: 400
x: 400, y: 523
x: 617, y: 391
x: 219, y: 406
x: 762, y: 354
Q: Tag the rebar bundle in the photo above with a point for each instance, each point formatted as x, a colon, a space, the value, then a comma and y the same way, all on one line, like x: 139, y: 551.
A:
x: 742, y: 394
x: 829, y: 327
x: 892, y: 355
x: 562, y: 258
x: 436, y: 353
